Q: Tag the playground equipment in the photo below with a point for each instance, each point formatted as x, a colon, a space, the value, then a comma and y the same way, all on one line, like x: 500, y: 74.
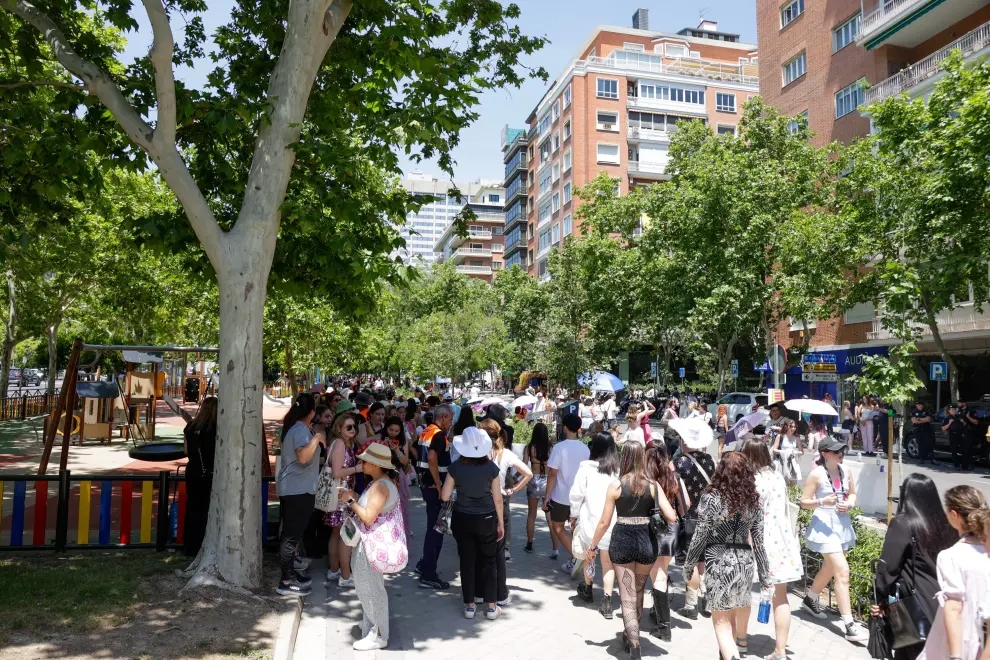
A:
x: 527, y: 379
x: 97, y: 420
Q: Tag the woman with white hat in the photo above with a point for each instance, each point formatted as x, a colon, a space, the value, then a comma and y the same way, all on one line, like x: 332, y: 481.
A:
x: 378, y: 500
x: 476, y: 521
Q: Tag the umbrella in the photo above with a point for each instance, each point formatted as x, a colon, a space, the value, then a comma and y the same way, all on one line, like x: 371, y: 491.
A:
x: 523, y: 401
x: 695, y: 433
x: 812, y: 407
x: 749, y: 422
x: 601, y: 381
x: 879, y: 645
x: 490, y: 400
x: 474, y: 400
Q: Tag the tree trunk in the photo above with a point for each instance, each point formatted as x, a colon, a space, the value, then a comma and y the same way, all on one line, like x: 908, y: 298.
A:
x: 9, y: 331
x: 290, y: 373
x: 231, y: 552
x: 724, y: 356
x: 52, y: 332
x: 932, y: 323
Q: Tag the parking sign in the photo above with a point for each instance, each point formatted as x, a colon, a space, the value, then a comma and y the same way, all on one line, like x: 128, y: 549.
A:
x: 938, y: 371
x: 653, y: 369
x: 735, y: 369
x: 682, y: 371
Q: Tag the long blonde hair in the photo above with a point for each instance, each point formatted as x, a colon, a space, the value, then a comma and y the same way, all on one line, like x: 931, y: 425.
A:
x: 494, y: 431
x: 633, y: 413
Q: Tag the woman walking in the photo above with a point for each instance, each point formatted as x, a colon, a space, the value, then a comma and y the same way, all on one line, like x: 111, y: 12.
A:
x: 587, y: 500
x: 729, y: 515
x: 536, y: 454
x: 963, y: 616
x: 721, y: 426
x: 831, y: 492
x: 200, y: 440
x: 787, y: 448
x: 661, y: 471
x: 476, y: 522
x: 779, y: 540
x: 633, y: 547
x: 634, y: 430
x: 918, y: 532
x: 864, y: 418
x: 379, y: 499
x: 344, y: 465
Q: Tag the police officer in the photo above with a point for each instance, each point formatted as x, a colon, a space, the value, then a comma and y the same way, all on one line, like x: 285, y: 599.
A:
x: 971, y: 436
x: 956, y: 428
x: 923, y: 434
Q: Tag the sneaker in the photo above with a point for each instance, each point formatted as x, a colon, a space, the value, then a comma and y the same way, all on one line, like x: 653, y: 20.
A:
x: 529, y: 547
x: 435, y: 583
x: 813, y: 607
x: 345, y: 584
x: 554, y: 554
x: 469, y: 611
x: 303, y: 579
x: 493, y: 613
x: 505, y: 601
x: 568, y: 568
x: 508, y: 555
x: 332, y: 576
x: 292, y: 588
x: 372, y: 642
x: 856, y: 633
x: 301, y: 563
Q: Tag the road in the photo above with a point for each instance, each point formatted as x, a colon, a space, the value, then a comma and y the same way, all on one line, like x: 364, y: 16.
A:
x: 13, y: 390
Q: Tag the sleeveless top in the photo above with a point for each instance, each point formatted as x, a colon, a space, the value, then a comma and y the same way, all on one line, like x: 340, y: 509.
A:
x: 634, y: 506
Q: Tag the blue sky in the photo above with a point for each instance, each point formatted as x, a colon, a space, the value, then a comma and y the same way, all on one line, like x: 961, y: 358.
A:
x: 566, y: 23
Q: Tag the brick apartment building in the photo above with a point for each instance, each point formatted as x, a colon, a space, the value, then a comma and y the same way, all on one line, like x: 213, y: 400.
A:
x: 613, y: 109
x: 479, y: 254
x: 816, y: 56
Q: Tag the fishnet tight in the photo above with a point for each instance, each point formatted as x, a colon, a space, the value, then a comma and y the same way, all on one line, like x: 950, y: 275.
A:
x: 632, y: 585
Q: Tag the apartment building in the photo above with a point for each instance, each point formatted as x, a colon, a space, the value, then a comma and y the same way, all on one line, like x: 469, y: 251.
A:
x: 613, y: 109
x: 823, y: 60
x: 479, y: 254
x: 424, y: 228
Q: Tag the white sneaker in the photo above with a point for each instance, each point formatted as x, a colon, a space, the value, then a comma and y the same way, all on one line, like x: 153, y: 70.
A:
x: 554, y: 554
x: 469, y: 611
x: 508, y: 555
x: 568, y: 567
x: 503, y: 603
x: 371, y: 642
x: 492, y: 614
x: 333, y: 575
x: 343, y: 584
x: 301, y: 563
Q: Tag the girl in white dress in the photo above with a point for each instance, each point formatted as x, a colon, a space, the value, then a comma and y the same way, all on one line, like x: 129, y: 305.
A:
x: 964, y: 578
x: 787, y: 447
x: 779, y: 539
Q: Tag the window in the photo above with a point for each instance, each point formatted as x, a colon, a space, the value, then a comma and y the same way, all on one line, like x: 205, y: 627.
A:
x: 608, y: 153
x: 545, y: 180
x: 726, y: 130
x: 608, y: 121
x: 725, y: 102
x: 608, y: 88
x: 628, y: 45
x: 556, y: 142
x: 795, y: 68
x: 790, y: 12
x: 845, y: 34
x: 567, y: 129
x: 675, y: 50
x: 567, y: 192
x: 555, y: 202
x: 544, y: 124
x: 556, y: 172
x: 848, y: 99
x: 567, y: 96
x: 555, y: 234
x: 544, y: 213
x: 670, y: 93
x: 493, y: 198
x: 794, y: 125
x: 568, y: 225
x: 567, y: 160
x: 545, y: 242
x: 556, y: 110
x: 860, y: 313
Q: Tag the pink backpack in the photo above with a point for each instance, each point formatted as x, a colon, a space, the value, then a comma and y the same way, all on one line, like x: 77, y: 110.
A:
x: 384, y: 541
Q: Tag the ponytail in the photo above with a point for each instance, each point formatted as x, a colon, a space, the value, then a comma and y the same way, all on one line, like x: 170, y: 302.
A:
x: 302, y: 406
x: 972, y: 507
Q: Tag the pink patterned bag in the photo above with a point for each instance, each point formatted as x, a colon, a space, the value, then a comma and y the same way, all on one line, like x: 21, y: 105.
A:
x: 384, y: 542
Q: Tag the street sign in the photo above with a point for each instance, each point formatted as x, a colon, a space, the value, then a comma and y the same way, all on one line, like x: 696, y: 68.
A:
x: 818, y: 363
x: 820, y: 378
x: 938, y: 371
x: 653, y: 369
x: 682, y: 371
x: 775, y: 395
x: 735, y: 368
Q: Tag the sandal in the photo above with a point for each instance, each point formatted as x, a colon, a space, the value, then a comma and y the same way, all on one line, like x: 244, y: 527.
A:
x: 743, y: 645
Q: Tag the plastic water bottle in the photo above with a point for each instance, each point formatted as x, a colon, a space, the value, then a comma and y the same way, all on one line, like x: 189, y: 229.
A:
x: 763, y: 616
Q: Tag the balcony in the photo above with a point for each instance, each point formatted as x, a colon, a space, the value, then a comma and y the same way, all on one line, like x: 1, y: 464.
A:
x: 464, y: 253
x: 677, y: 107
x: 642, y: 170
x: 474, y: 270
x: 743, y: 74
x: 961, y: 319
x: 972, y: 46
x: 520, y: 188
x: 480, y: 234
x: 908, y: 23
x: 519, y: 163
x: 647, y: 134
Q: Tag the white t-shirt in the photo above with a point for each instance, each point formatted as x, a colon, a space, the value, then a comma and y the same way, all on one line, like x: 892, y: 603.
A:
x: 609, y: 408
x: 565, y: 458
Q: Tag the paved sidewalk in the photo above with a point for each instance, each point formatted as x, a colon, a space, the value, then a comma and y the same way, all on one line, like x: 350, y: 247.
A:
x: 546, y: 620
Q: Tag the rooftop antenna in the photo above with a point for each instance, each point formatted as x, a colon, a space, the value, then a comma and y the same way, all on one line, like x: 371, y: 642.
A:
x: 701, y: 14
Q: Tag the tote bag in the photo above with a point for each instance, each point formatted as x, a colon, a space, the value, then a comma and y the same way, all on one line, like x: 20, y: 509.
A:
x: 909, y: 624
x: 384, y: 541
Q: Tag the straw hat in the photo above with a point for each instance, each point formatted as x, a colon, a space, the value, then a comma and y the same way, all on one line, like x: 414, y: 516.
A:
x: 378, y: 454
x: 472, y: 443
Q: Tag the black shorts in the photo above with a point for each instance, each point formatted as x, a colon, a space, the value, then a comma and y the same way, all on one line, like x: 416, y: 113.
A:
x: 559, y: 512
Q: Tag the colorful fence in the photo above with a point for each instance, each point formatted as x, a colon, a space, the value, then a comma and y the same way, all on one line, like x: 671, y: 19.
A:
x: 99, y: 511
x: 26, y: 405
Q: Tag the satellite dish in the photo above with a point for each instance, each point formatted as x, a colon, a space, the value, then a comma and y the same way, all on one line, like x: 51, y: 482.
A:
x: 777, y: 359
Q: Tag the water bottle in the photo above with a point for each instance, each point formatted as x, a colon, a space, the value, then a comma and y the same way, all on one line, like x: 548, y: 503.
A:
x: 763, y: 616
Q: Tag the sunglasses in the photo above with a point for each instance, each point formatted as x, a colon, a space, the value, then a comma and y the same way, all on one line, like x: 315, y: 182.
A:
x: 349, y: 427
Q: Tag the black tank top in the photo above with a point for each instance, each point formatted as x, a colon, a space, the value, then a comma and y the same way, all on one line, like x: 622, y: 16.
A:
x: 634, y: 506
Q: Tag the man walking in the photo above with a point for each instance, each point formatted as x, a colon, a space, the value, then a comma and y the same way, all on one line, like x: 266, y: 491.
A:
x: 565, y: 459
x: 434, y: 452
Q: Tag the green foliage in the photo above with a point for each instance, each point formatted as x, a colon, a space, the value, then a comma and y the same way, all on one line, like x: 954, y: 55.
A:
x: 892, y: 377
x: 522, y: 432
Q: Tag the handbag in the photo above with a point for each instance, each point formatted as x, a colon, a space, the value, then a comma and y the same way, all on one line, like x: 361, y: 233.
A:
x: 350, y: 534
x: 384, y: 541
x: 658, y: 523
x: 443, y: 518
x: 908, y: 622
x: 327, y: 493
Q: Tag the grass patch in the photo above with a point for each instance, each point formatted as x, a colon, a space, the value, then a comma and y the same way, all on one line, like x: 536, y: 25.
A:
x: 81, y: 592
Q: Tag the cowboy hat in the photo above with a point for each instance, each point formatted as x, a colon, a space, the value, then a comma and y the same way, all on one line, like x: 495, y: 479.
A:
x: 378, y: 454
x: 694, y: 432
x: 472, y: 443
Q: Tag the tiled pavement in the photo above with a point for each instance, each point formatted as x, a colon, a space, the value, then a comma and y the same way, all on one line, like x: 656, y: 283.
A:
x: 545, y: 620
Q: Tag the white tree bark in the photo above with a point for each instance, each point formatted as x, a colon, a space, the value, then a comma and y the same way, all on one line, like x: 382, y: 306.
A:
x: 9, y: 338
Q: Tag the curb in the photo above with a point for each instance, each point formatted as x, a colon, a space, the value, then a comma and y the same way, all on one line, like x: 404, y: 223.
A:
x: 288, y: 628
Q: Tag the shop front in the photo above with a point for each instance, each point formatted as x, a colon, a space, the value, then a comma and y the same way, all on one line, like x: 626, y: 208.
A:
x: 829, y: 371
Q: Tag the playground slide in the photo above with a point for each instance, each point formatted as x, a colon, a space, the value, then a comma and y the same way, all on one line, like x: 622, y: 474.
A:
x: 269, y: 397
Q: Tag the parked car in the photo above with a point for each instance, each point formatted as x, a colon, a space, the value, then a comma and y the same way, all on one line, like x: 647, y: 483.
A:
x: 30, y: 377
x: 982, y: 410
x: 740, y: 404
x: 14, y: 376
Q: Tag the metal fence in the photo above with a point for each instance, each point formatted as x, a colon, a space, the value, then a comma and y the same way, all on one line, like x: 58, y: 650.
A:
x: 29, y: 403
x: 99, y: 511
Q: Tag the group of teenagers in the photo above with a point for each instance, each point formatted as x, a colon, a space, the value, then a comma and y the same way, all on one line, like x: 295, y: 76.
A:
x: 632, y: 507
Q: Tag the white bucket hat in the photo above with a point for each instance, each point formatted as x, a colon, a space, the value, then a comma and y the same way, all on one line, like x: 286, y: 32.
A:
x: 694, y: 432
x: 472, y: 443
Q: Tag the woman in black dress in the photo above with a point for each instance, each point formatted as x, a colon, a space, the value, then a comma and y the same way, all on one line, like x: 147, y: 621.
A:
x: 200, y: 443
x: 633, y: 547
x: 661, y: 471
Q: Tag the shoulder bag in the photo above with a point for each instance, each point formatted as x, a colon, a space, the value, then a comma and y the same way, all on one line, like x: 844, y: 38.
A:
x: 658, y: 523
x: 326, y: 487
x: 909, y: 624
x: 384, y: 541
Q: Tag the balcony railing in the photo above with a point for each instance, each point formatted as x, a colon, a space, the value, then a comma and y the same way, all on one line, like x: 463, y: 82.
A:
x: 641, y: 103
x: 886, y: 11
x: 930, y: 66
x: 639, y: 167
x: 635, y: 133
x: 960, y: 319
x: 480, y: 234
x: 746, y: 74
x: 474, y: 270
x: 473, y: 252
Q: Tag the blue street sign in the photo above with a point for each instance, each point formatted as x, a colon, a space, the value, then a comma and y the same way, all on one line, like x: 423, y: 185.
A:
x: 818, y: 358
x: 735, y: 369
x: 681, y: 371
x: 938, y: 371
x: 653, y: 369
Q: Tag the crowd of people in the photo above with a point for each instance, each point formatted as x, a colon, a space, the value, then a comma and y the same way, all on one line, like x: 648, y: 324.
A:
x: 625, y: 507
